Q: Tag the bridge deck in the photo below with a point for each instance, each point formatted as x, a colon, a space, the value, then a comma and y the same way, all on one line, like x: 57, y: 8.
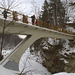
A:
x: 26, y: 29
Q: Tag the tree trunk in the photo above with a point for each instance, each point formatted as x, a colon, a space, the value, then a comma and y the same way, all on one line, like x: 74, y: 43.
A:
x: 56, y: 14
x: 1, y: 56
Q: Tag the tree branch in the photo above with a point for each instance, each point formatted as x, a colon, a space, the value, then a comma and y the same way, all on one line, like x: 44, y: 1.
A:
x: 9, y: 24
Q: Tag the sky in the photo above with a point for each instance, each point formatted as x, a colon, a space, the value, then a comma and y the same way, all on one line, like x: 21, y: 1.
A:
x: 27, y: 5
x: 29, y: 10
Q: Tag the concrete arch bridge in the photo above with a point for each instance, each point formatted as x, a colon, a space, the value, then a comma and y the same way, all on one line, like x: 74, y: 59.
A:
x: 33, y: 32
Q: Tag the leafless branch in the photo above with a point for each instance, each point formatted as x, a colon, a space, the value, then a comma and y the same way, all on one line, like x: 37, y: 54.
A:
x: 22, y: 9
x: 14, y: 4
x: 35, y: 7
x: 2, y: 4
x: 10, y: 4
x: 1, y: 25
x: 9, y: 24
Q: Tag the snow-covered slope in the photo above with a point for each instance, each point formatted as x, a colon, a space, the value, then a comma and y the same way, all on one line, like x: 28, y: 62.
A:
x: 30, y: 65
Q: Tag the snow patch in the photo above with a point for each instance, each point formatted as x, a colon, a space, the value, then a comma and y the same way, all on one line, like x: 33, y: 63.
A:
x: 64, y: 73
x: 29, y: 65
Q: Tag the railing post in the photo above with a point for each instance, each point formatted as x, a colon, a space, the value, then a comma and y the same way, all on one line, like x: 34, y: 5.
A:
x: 15, y: 16
x: 25, y: 19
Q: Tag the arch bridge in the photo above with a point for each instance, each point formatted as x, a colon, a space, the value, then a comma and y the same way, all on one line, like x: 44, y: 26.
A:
x: 33, y: 32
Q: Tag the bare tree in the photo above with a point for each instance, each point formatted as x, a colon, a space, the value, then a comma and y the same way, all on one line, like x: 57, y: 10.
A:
x: 4, y: 26
x: 72, y: 5
x: 25, y: 66
x: 69, y: 9
x: 7, y: 5
x: 35, y: 8
x: 10, y: 4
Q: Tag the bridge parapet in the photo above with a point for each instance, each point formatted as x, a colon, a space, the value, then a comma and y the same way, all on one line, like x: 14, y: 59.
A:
x: 25, y: 19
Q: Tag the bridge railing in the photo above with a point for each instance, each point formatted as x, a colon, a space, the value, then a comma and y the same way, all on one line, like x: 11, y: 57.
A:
x: 13, y: 15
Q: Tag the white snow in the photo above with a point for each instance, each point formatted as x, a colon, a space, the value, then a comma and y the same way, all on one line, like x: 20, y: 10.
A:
x: 4, y: 71
x: 31, y: 66
x: 64, y: 73
x: 70, y: 28
x: 29, y: 63
x: 67, y: 47
x: 22, y: 36
x: 6, y: 52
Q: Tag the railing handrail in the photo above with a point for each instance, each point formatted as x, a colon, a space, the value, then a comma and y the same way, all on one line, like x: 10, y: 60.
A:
x: 45, y: 25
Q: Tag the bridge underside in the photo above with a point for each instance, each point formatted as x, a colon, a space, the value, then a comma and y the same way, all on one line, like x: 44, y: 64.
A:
x: 33, y: 32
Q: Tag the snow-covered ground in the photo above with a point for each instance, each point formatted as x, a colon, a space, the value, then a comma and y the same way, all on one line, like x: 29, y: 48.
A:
x: 30, y: 64
x: 71, y: 29
x: 6, y: 52
x: 64, y: 73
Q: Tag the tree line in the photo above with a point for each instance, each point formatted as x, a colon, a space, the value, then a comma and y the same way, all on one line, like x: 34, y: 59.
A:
x: 55, y: 12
